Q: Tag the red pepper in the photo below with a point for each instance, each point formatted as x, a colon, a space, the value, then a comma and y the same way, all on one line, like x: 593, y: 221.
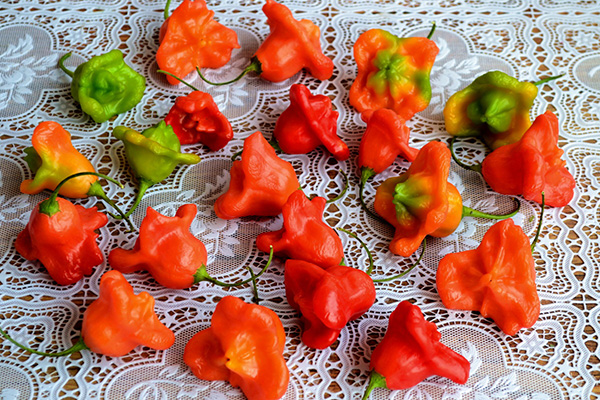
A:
x: 326, y: 298
x: 411, y: 352
x: 260, y: 182
x: 532, y: 165
x: 243, y: 345
x: 308, y: 122
x: 304, y: 236
x: 195, y: 118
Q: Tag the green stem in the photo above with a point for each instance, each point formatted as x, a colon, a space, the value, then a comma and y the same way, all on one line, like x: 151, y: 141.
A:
x: 364, y: 246
x: 476, y: 167
x: 80, y: 345
x: 339, y: 196
x: 97, y: 191
x: 255, y: 66
x: 61, y: 64
x: 546, y: 80
x: 539, y: 228
x: 469, y: 212
x: 431, y: 31
x: 400, y: 275
x: 366, y: 173
x: 376, y: 381
x: 167, y: 9
x: 255, y: 297
x: 179, y: 79
x: 142, y: 187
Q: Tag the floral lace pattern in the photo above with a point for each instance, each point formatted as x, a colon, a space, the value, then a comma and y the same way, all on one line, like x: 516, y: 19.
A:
x: 555, y: 359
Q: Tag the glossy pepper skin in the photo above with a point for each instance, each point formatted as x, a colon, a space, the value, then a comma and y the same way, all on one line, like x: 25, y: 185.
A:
x: 411, y: 351
x: 304, y: 236
x: 260, y: 182
x: 165, y: 248
x: 191, y: 38
x: 392, y: 73
x: 308, y: 122
x: 494, y: 106
x: 497, y: 279
x: 532, y: 165
x: 119, y: 320
x: 326, y: 298
x: 244, y: 345
x: 105, y: 86
x: 421, y: 201
x: 65, y: 242
x: 195, y: 118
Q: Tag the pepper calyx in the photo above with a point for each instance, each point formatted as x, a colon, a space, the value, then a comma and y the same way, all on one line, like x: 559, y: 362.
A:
x: 376, y: 380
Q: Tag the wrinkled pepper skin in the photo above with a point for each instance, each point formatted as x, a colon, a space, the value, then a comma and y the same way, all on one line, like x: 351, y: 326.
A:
x: 165, y: 248
x: 58, y: 159
x: 392, y: 73
x: 191, y: 38
x: 327, y: 298
x: 65, y: 243
x: 304, y: 236
x: 411, y: 351
x: 195, y: 118
x: 308, y: 122
x: 119, y: 320
x: 497, y: 279
x: 260, y: 182
x: 244, y: 345
x: 532, y: 165
x: 494, y: 106
x: 421, y: 201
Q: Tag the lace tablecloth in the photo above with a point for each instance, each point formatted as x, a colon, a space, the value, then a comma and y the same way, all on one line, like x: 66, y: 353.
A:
x: 555, y: 359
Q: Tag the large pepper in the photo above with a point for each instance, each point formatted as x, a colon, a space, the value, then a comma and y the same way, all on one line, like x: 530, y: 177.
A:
x: 152, y: 155
x: 304, y: 236
x: 190, y: 38
x: 244, y: 345
x: 308, y: 122
x: 393, y: 72
x: 260, y: 182
x: 291, y: 46
x: 326, y: 298
x: 411, y: 351
x: 105, y: 86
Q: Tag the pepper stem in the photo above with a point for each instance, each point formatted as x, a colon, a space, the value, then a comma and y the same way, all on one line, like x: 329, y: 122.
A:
x: 97, y: 191
x: 431, y: 31
x: 539, y: 228
x: 476, y: 167
x: 178, y: 78
x: 61, y: 65
x: 254, y: 66
x: 202, y: 275
x: 400, y: 275
x: 346, y: 183
x: 364, y: 246
x: 142, y: 187
x: 376, y: 381
x: 255, y: 297
x: 366, y: 173
x: 469, y: 212
x: 78, y: 346
x: 167, y: 9
x: 546, y: 80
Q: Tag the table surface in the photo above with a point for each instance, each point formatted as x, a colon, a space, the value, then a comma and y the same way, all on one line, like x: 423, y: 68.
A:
x: 555, y: 359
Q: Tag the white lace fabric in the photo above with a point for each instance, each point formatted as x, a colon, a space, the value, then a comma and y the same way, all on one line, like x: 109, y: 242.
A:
x: 555, y: 359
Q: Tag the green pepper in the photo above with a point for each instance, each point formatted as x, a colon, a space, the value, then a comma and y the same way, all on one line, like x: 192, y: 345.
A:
x: 105, y: 86
x: 152, y: 155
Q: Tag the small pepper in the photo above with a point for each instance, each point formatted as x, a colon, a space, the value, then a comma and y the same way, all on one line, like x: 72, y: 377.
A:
x: 105, y: 86
x: 422, y: 202
x: 327, y: 298
x: 260, y: 182
x: 304, y: 236
x: 244, y: 345
x: 152, y: 155
x: 411, y: 352
x: 393, y: 72
x: 191, y: 38
x: 116, y: 322
x: 291, y: 46
x: 308, y: 122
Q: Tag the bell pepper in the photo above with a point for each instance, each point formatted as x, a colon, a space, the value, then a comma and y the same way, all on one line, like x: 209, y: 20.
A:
x: 411, y: 351
x: 191, y: 38
x: 260, y: 182
x: 244, y: 345
x: 291, y: 46
x: 304, y: 236
x: 327, y: 298
x: 308, y: 122
x: 105, y: 86
x: 422, y: 202
x: 393, y: 72
x: 152, y: 155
